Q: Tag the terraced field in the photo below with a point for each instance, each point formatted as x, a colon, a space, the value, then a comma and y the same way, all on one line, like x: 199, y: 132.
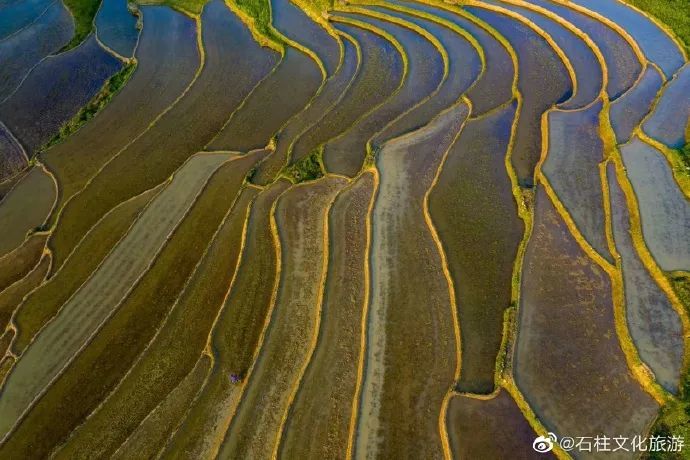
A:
x: 362, y: 229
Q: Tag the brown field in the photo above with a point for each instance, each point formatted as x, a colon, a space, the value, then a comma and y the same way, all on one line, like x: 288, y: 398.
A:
x: 300, y: 217
x: 151, y: 436
x: 115, y: 348
x: 490, y: 428
x: 236, y: 334
x: 17, y: 264
x: 412, y: 353
x: 325, y: 397
x: 12, y: 296
x: 42, y: 304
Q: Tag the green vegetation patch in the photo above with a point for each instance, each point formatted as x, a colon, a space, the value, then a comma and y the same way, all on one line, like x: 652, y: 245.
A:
x: 96, y: 104
x: 306, y: 169
x: 192, y: 7
x: 83, y: 11
x: 674, y: 13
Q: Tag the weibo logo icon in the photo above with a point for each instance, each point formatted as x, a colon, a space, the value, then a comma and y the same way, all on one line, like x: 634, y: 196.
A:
x: 544, y: 444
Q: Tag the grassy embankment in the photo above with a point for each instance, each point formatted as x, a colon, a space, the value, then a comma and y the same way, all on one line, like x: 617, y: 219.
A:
x: 83, y: 12
x: 95, y: 105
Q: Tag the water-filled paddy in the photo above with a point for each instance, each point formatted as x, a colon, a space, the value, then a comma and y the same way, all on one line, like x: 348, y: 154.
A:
x: 464, y: 66
x: 656, y: 44
x: 654, y: 325
x: 54, y: 92
x: 494, y: 86
x: 97, y: 298
x: 324, y: 399
x: 378, y: 76
x: 116, y: 346
x: 622, y: 62
x: 664, y: 210
x: 300, y: 216
x: 236, y: 333
x: 330, y: 95
x: 489, y: 428
x: 543, y: 81
x: 346, y: 154
x: 231, y: 55
x: 569, y: 364
x: 12, y: 156
x: 575, y: 150
x: 23, y: 50
x: 19, y: 15
x: 295, y: 24
x: 180, y: 340
x: 669, y: 121
x: 168, y: 58
x: 480, y: 246
x: 411, y: 354
x: 587, y: 68
x: 116, y: 26
x: 630, y: 109
x: 282, y: 94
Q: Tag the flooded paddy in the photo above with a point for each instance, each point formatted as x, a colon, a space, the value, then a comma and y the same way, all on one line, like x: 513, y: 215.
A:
x: 332, y: 93
x: 181, y: 131
x: 25, y: 208
x: 664, y: 210
x: 289, y: 229
x: 588, y: 70
x: 657, y: 45
x: 114, y: 349
x: 480, y: 246
x: 54, y: 91
x: 669, y: 121
x: 572, y: 168
x: 630, y: 109
x: 168, y: 58
x: 23, y: 50
x: 569, y: 364
x: 379, y: 75
x: 543, y: 82
x: 324, y: 399
x: 280, y: 95
x: 12, y: 155
x: 654, y: 325
x: 621, y: 61
x: 177, y: 344
x: 296, y: 24
x: 236, y: 335
x: 494, y: 86
x: 464, y: 67
x: 491, y: 427
x: 288, y: 344
x: 21, y: 14
x: 95, y: 301
x: 116, y: 26
x: 424, y: 72
x: 411, y: 354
